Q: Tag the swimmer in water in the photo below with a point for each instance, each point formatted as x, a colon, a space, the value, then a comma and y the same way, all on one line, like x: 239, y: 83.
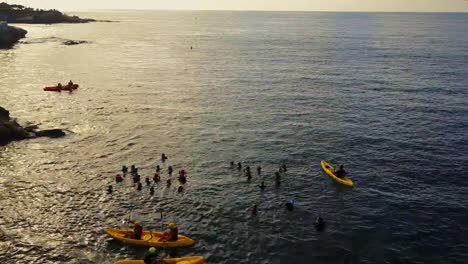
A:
x: 170, y: 170
x: 277, y: 179
x: 290, y: 205
x: 259, y: 170
x: 139, y: 186
x: 152, y: 191
x: 168, y: 183
x: 254, y: 210
x: 158, y: 169
x: 109, y: 189
x: 156, y: 178
x: 239, y: 165
x: 319, y: 224
x: 118, y: 178
x: 180, y: 189
x: 148, y: 182
x: 262, y: 186
x: 163, y: 157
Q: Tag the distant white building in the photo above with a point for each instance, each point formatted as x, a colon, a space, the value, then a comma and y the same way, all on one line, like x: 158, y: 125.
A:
x: 3, y: 25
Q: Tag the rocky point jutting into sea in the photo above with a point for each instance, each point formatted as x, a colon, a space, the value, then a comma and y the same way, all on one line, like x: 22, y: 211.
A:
x: 10, y: 130
x: 20, y: 14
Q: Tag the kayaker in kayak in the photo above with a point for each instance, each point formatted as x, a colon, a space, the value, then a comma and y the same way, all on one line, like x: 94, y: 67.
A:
x: 59, y: 86
x: 70, y: 84
x: 152, y: 257
x: 341, y: 173
x: 172, y: 234
x: 137, y: 231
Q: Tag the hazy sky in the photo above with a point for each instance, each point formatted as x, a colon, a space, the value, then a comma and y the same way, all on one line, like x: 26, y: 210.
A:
x: 312, y: 5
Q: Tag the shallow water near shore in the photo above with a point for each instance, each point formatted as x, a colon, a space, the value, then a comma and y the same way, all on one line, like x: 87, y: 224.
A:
x: 385, y: 94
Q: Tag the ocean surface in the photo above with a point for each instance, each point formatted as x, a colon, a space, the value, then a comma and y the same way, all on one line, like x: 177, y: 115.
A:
x: 386, y: 94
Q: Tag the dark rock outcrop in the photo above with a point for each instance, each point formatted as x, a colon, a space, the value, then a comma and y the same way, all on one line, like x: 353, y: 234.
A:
x: 73, y: 42
x: 10, y: 130
x: 10, y: 35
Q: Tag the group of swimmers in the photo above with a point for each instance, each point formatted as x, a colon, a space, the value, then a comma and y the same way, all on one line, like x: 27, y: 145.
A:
x: 156, y: 178
x: 319, y: 222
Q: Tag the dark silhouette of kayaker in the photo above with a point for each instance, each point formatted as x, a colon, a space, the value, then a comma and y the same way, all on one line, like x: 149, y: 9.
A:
x: 137, y: 230
x: 290, y: 205
x: 152, y: 257
x: 172, y: 234
x: 70, y: 84
x: 341, y: 173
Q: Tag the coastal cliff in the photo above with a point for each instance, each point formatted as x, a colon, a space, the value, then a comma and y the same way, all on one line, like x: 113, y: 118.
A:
x: 10, y: 130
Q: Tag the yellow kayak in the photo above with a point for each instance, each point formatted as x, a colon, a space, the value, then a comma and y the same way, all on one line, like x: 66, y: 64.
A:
x: 149, y: 239
x: 184, y: 260
x: 330, y: 171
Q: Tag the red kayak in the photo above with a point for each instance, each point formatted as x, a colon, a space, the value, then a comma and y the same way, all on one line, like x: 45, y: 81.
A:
x: 63, y: 88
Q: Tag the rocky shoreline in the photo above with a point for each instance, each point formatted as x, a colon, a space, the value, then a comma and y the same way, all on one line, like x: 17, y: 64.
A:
x: 10, y: 130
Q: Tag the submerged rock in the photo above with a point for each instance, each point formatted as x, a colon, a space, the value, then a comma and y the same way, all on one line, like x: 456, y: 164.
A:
x: 74, y: 42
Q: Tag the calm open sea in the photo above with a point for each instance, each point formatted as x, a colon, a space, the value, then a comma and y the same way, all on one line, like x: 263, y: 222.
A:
x: 384, y: 93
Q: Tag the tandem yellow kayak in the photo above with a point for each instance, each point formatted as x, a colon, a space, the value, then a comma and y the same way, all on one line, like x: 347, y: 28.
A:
x: 330, y: 171
x: 184, y: 260
x: 149, y: 239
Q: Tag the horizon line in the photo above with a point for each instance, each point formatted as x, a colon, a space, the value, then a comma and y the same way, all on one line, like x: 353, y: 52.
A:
x: 265, y: 10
